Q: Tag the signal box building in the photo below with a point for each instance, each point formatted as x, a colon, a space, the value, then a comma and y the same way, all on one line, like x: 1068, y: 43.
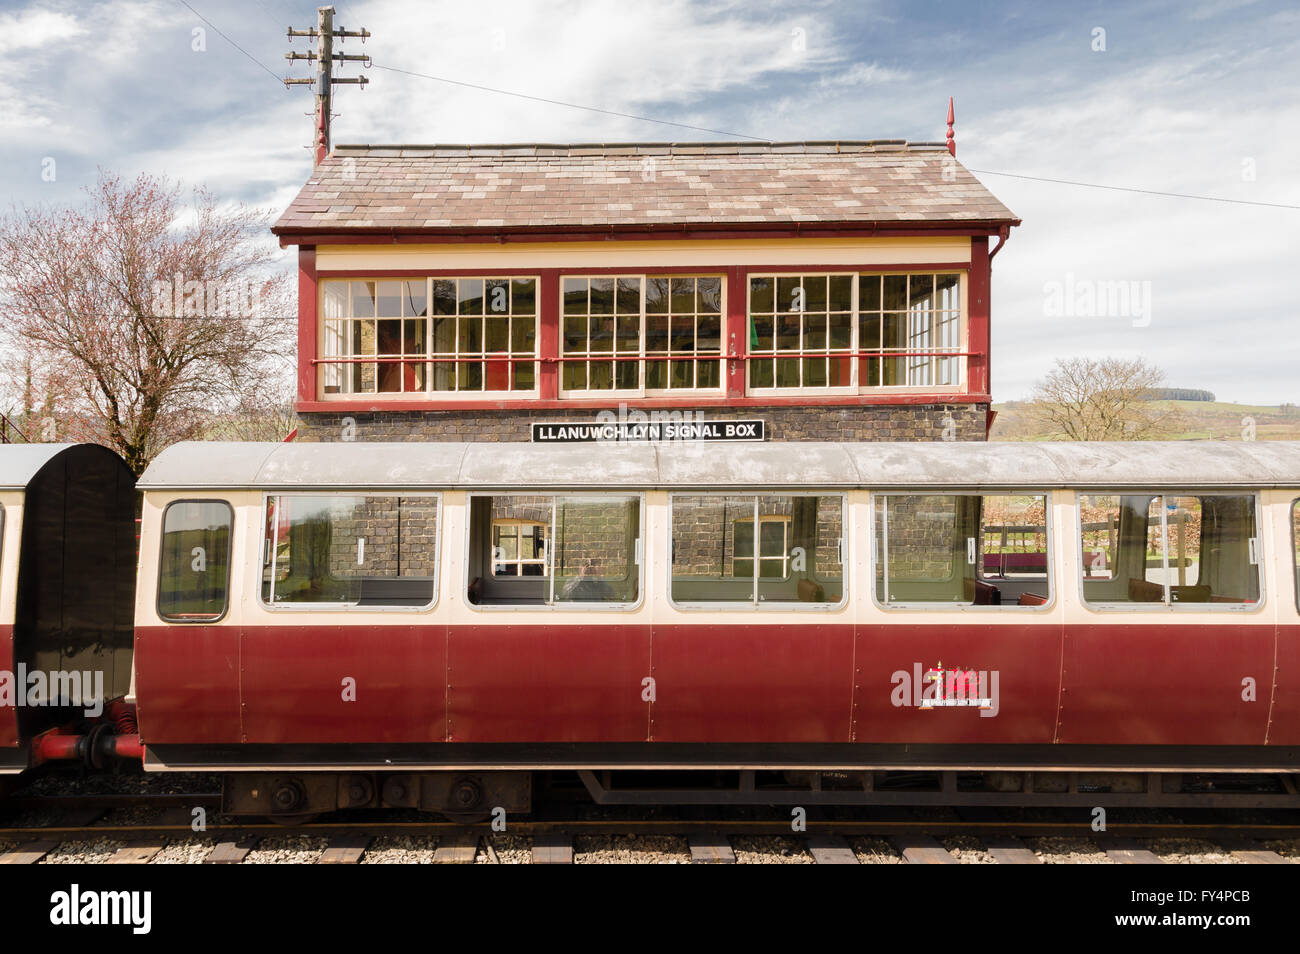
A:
x: 817, y: 290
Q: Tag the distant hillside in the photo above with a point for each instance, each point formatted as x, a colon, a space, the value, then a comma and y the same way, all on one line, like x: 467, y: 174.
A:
x: 1196, y: 420
x: 1181, y: 394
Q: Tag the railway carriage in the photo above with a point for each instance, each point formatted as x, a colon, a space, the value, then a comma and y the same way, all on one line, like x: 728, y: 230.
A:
x: 67, y: 582
x: 440, y: 625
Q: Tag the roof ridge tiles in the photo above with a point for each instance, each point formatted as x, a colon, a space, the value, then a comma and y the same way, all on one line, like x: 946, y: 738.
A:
x: 584, y: 149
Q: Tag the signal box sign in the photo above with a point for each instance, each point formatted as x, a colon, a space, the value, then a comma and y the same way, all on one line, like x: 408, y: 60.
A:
x: 649, y: 431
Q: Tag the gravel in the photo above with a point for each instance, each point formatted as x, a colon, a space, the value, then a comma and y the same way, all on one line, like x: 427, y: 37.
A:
x: 1068, y: 851
x: 83, y: 852
x: 1191, y: 851
x: 401, y: 850
x: 875, y: 851
x: 187, y: 851
x: 769, y: 850
x: 135, y: 815
x: 968, y: 850
x: 1286, y: 847
x: 639, y: 849
x: 507, y: 849
x: 630, y: 849
x: 125, y: 781
x: 287, y: 850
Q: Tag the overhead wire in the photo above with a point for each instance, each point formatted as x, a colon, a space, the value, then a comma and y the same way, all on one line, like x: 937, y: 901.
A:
x: 746, y: 136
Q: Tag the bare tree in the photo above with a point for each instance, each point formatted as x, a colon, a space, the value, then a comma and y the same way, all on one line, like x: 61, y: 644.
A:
x: 140, y: 316
x: 1101, y: 399
x: 259, y: 416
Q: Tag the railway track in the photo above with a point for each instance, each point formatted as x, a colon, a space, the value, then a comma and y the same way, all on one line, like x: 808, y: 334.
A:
x: 87, y: 822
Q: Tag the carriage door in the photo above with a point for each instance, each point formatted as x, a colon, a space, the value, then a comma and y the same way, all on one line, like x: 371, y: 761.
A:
x: 1172, y: 633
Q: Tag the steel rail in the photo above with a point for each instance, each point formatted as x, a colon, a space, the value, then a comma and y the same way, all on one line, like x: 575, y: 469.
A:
x: 1207, y: 831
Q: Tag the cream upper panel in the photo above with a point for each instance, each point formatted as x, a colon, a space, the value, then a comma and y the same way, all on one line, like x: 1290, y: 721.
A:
x: 1064, y: 544
x: 633, y: 255
x: 12, y: 502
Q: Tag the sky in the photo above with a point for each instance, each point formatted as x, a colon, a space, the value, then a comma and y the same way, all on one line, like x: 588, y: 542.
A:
x: 1200, y: 97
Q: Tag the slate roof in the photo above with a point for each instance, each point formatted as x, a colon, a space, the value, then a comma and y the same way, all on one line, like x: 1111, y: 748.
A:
x: 637, y: 186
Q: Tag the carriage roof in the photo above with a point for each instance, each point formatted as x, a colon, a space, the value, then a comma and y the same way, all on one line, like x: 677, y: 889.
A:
x: 20, y: 463
x: 681, y: 465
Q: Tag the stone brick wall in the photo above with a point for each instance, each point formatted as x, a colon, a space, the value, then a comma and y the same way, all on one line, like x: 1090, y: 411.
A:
x: 400, y: 536
x: 923, y: 540
x: 704, y: 529
x: 921, y: 422
x: 595, y: 535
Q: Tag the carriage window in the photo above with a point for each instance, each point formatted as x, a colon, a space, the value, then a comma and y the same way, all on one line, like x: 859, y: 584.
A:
x: 794, y: 558
x: 543, y: 550
x: 350, y: 550
x: 1295, y: 548
x: 964, y: 549
x: 194, y: 571
x: 1169, y: 550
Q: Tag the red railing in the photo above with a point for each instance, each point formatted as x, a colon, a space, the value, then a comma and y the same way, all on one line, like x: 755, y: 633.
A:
x: 844, y: 357
x: 603, y: 356
x: 9, y: 432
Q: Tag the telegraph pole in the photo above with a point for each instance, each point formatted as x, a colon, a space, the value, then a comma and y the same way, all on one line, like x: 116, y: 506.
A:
x: 325, y: 58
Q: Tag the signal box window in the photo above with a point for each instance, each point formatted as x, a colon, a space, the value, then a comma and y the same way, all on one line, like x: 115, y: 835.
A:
x: 636, y: 333
x: 194, y: 571
x: 799, y: 545
x: 963, y: 549
x: 425, y: 335
x: 773, y: 555
x: 518, y: 548
x: 548, y: 550
x: 350, y: 550
x: 1170, y: 550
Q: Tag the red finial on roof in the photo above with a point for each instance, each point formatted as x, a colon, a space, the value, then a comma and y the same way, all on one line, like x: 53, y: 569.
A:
x: 952, y: 140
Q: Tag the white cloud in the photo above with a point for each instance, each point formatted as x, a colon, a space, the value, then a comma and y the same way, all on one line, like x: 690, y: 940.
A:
x: 865, y: 74
x: 1176, y: 104
x: 663, y: 59
x: 1221, y: 274
x: 35, y: 29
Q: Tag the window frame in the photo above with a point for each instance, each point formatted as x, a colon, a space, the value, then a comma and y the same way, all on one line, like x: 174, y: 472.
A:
x: 518, y: 523
x: 784, y: 556
x: 856, y: 353
x: 350, y: 607
x: 638, y: 556
x: 642, y: 356
x: 162, y: 548
x: 950, y: 607
x: 1172, y: 607
x: 427, y: 392
x: 1295, y: 554
x: 755, y: 604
